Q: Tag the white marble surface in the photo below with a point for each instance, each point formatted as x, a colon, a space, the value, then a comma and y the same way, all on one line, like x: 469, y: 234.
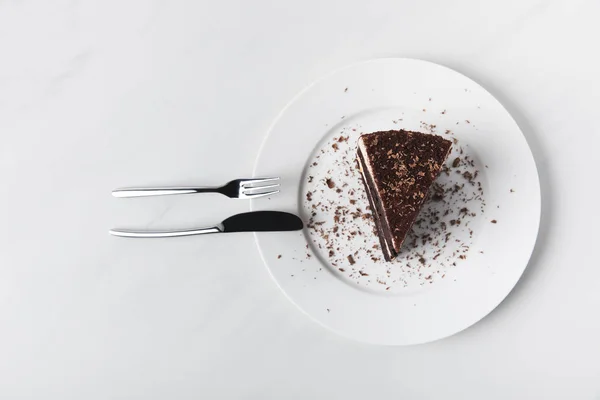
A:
x: 99, y: 94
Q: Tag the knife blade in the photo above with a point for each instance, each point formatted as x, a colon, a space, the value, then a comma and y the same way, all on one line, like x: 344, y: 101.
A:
x: 256, y: 221
x: 262, y: 221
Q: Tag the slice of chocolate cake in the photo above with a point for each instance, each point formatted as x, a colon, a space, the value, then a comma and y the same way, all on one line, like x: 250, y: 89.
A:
x: 398, y: 167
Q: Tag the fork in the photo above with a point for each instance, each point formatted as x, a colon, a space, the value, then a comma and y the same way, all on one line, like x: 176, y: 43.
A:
x: 236, y: 189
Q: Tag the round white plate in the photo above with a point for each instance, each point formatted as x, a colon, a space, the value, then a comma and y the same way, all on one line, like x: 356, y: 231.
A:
x: 473, y: 242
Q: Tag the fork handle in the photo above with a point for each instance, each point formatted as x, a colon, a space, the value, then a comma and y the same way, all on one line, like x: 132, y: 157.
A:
x: 162, y: 191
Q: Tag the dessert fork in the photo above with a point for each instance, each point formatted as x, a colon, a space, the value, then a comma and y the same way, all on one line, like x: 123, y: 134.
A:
x: 236, y: 189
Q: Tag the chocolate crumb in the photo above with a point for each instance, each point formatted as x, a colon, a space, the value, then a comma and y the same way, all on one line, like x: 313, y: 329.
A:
x: 446, y: 215
x: 494, y: 221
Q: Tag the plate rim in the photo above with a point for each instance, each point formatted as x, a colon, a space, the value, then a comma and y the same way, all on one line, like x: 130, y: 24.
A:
x: 538, y: 191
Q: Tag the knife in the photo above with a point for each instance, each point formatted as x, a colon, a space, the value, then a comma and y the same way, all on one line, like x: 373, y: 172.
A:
x: 257, y: 221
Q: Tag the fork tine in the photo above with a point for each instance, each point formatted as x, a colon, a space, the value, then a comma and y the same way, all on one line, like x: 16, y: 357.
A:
x: 256, y: 195
x: 256, y: 181
x: 250, y: 189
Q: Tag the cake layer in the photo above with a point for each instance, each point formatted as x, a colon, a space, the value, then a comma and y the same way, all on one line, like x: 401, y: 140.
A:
x: 384, y: 233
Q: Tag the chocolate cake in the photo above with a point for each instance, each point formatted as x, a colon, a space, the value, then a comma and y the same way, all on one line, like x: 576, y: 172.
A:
x: 398, y: 167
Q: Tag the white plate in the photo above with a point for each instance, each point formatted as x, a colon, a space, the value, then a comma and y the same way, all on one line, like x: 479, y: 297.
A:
x: 416, y: 298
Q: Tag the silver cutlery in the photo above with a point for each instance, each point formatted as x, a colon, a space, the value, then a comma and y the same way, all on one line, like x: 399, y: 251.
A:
x: 236, y: 189
x: 257, y: 221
